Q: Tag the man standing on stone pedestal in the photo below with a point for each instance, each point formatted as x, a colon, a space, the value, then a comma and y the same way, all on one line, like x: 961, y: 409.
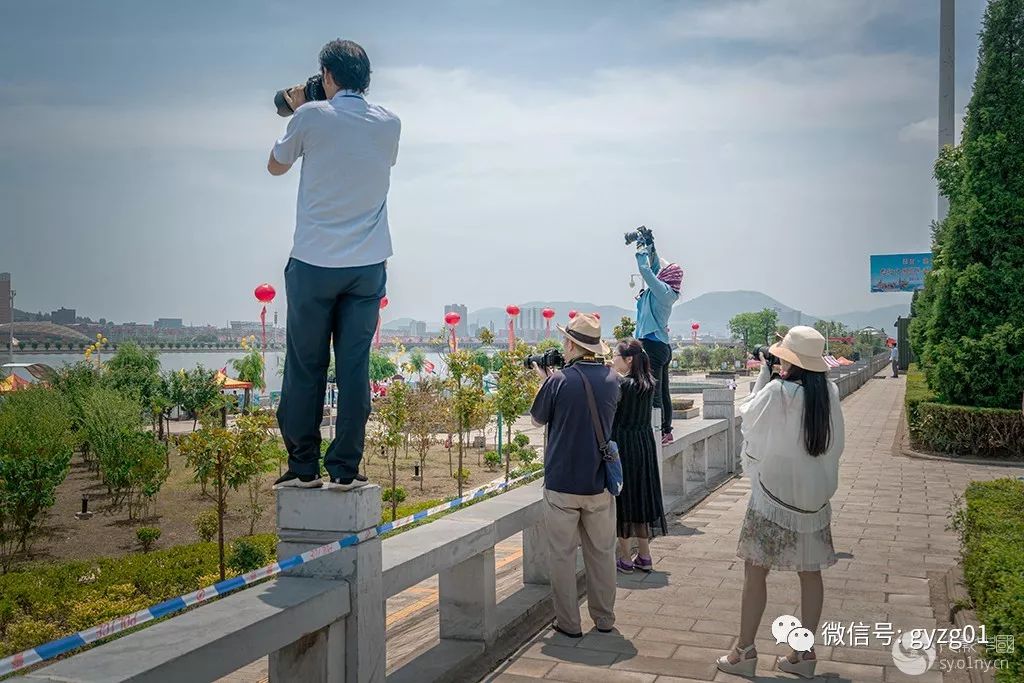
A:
x: 336, y: 275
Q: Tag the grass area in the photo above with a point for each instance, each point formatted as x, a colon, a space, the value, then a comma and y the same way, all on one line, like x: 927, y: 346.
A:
x: 991, y: 529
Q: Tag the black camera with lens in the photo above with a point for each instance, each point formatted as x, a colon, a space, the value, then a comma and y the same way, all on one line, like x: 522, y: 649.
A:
x: 772, y: 359
x: 313, y: 90
x: 642, y: 236
x: 552, y: 358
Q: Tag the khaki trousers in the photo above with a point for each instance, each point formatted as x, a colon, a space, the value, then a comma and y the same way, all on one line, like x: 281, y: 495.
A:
x: 587, y: 521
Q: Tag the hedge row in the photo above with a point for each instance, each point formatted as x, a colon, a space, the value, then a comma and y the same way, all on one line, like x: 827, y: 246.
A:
x: 960, y: 430
x: 992, y: 533
x: 41, y: 602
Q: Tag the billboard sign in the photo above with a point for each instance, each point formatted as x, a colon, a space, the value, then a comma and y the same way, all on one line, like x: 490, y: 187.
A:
x: 899, y: 272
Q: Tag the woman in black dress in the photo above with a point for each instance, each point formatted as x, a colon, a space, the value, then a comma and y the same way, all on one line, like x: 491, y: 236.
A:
x: 639, y: 510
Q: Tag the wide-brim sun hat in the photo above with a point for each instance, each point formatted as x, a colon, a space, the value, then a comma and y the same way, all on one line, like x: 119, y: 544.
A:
x: 585, y: 331
x: 802, y: 346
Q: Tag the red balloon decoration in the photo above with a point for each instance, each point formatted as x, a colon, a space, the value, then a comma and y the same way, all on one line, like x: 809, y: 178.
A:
x: 573, y: 314
x: 384, y: 302
x: 512, y: 310
x: 548, y: 313
x: 265, y: 293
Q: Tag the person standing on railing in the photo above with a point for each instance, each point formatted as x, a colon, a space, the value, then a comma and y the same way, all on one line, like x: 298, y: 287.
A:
x: 793, y: 435
x: 653, y: 310
x: 639, y: 510
x: 337, y: 272
x: 578, y: 510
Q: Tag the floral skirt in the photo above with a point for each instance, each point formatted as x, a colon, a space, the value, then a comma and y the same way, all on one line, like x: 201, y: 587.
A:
x: 766, y: 544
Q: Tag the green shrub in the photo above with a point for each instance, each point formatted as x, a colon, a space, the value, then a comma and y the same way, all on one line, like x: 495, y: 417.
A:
x: 991, y: 529
x: 962, y: 430
x: 247, y: 555
x: 206, y: 524
x: 397, y: 494
x: 917, y: 393
x: 147, y: 536
x: 45, y: 601
x: 492, y: 460
x: 462, y: 475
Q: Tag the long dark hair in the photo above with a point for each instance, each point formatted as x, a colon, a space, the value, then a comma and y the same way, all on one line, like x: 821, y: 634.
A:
x: 640, y: 370
x: 817, y: 409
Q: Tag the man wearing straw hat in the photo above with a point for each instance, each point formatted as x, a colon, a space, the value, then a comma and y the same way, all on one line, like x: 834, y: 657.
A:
x: 578, y: 510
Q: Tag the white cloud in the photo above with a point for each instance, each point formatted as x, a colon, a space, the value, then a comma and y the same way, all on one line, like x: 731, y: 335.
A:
x: 926, y: 129
x: 780, y: 22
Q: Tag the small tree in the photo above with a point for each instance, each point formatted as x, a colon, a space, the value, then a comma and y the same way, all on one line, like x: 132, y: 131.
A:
x: 625, y: 328
x: 417, y: 363
x: 212, y: 453
x: 135, y: 372
x: 249, y: 367
x: 425, y: 420
x: 381, y: 367
x: 256, y: 454
x: 393, y: 413
x: 199, y: 392
x: 465, y: 382
x: 35, y: 453
x: 516, y: 387
x: 110, y: 420
x: 485, y: 336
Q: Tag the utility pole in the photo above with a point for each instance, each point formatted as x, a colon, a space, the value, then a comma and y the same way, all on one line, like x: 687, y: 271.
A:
x: 947, y: 72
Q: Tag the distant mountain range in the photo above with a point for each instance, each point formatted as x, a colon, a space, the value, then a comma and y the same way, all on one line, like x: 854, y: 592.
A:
x: 712, y: 310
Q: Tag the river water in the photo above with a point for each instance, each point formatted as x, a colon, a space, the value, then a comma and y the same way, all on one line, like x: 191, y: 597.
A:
x: 214, y: 360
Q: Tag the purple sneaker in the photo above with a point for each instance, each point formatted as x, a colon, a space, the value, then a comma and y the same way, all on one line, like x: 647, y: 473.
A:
x: 644, y: 564
x: 624, y: 566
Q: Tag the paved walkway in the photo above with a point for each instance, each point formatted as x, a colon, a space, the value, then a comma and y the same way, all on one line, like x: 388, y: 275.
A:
x: 889, y: 531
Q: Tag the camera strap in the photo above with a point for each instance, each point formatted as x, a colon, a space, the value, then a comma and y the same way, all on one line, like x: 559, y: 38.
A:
x: 602, y: 442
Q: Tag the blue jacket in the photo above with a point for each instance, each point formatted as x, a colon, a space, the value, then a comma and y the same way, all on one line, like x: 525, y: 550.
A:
x: 654, y: 306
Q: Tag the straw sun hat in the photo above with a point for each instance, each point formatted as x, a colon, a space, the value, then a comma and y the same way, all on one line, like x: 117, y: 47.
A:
x: 585, y: 331
x: 802, y: 346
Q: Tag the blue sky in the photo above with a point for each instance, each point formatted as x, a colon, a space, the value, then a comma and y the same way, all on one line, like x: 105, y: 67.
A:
x: 771, y: 145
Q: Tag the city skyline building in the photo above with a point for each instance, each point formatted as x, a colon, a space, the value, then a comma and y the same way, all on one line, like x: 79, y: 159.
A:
x: 462, y: 329
x: 6, y: 308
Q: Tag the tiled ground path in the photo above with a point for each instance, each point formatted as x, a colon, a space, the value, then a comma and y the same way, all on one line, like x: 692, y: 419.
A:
x: 888, y: 527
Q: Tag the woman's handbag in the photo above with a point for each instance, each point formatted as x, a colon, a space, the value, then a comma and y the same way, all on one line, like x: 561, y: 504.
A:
x: 609, y: 449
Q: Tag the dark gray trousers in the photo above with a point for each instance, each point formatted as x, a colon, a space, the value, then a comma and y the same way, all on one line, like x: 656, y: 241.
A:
x: 660, y: 354
x: 326, y: 303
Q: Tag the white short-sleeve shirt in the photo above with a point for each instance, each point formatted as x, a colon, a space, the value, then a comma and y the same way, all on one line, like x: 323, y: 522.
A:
x: 348, y: 147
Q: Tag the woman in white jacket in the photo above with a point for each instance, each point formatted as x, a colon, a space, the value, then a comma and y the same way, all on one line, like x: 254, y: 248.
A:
x: 793, y: 434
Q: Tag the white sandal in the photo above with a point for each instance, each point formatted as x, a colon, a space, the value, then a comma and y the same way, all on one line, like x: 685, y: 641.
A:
x: 745, y: 667
x: 803, y: 668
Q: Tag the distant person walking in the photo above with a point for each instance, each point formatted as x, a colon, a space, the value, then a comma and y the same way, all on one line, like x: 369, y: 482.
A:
x: 793, y: 435
x: 578, y: 509
x: 639, y: 511
x: 336, y: 275
x: 653, y: 310
x: 894, y: 357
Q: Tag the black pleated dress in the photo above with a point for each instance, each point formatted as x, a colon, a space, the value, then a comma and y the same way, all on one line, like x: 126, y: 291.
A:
x: 639, y: 509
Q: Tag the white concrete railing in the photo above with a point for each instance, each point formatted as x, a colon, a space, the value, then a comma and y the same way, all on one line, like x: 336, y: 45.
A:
x: 324, y: 621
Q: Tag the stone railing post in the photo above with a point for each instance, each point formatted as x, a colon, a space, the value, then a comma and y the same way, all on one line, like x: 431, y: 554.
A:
x: 352, y: 651
x: 720, y: 404
x: 467, y: 599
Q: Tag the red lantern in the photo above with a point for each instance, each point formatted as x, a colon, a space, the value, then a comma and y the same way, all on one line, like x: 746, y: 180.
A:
x: 265, y: 293
x: 695, y: 327
x: 548, y: 314
x: 452, y: 320
x: 384, y: 303
x: 512, y: 310
x: 573, y: 314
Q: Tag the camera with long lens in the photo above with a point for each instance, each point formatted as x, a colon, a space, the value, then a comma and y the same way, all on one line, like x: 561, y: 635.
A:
x: 772, y: 359
x: 642, y: 236
x: 552, y: 358
x: 313, y: 90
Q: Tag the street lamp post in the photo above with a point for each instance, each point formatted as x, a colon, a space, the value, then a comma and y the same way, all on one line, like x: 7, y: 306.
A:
x: 11, y: 347
x: 947, y: 71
